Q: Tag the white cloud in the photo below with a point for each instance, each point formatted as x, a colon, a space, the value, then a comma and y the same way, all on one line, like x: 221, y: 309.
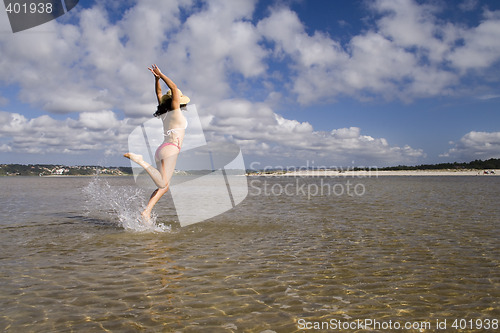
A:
x: 4, y: 148
x: 213, y: 44
x: 92, y: 132
x: 488, y: 97
x: 316, y: 58
x: 284, y: 27
x: 98, y: 67
x: 408, y: 54
x: 476, y: 145
x: 468, y: 5
x: 95, y: 65
x: 261, y: 132
x: 98, y: 120
x: 99, y: 64
x: 410, y: 25
x: 481, y: 45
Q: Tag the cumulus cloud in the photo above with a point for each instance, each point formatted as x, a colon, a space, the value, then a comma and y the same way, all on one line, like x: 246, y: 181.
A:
x: 408, y: 54
x: 99, y: 120
x: 99, y: 64
x: 96, y: 66
x: 254, y: 127
x: 476, y: 145
x: 481, y: 45
x: 40, y: 135
x: 259, y: 131
x: 214, y: 44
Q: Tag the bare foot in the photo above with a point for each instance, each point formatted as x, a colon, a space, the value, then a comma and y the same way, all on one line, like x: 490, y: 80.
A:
x: 134, y: 157
x: 146, y: 217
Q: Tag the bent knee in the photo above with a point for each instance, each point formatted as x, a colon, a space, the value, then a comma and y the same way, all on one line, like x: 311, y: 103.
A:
x: 164, y: 186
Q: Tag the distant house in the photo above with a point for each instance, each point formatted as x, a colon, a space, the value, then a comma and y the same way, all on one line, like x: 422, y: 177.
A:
x: 60, y: 171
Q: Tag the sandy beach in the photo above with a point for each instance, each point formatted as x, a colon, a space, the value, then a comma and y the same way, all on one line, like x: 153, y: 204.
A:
x: 379, y: 173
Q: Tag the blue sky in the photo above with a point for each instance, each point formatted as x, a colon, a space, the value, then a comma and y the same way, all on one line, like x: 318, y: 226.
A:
x: 377, y: 83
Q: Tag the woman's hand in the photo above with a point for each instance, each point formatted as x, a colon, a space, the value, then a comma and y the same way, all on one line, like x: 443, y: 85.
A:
x: 155, y: 70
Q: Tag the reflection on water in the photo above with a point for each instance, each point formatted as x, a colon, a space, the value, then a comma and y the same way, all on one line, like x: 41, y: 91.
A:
x: 409, y: 249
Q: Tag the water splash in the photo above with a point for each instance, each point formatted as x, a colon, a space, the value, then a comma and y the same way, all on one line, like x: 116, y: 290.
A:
x: 120, y: 205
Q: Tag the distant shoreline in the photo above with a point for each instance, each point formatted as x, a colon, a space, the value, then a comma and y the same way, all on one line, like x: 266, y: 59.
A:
x: 65, y: 176
x: 320, y: 173
x: 377, y: 173
x: 44, y: 170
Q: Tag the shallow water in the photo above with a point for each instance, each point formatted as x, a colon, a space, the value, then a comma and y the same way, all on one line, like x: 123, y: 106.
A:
x: 409, y: 249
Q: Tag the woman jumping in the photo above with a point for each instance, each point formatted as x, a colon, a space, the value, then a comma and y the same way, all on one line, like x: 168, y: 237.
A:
x: 174, y: 126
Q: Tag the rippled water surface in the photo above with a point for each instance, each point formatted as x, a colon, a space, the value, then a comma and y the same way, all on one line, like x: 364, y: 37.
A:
x: 74, y: 258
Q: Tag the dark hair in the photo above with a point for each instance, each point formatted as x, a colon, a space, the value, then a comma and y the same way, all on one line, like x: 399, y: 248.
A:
x: 163, y: 108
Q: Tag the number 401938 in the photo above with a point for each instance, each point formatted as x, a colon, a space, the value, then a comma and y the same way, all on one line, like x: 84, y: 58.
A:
x: 31, y: 8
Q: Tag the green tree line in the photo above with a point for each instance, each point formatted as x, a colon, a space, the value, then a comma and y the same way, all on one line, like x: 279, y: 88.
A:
x: 492, y: 163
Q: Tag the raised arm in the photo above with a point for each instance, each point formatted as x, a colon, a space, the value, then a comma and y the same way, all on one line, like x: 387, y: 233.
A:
x: 173, y: 87
x: 158, y: 89
x: 157, y: 83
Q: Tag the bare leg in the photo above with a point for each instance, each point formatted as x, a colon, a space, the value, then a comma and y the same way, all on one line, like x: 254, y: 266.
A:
x: 155, y: 175
x: 161, y: 178
x: 157, y: 194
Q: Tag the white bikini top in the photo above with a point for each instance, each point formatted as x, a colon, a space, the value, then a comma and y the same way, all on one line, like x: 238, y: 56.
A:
x: 173, y: 130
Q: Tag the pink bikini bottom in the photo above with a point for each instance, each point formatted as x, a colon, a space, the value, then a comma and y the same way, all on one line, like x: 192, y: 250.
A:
x: 157, y: 154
